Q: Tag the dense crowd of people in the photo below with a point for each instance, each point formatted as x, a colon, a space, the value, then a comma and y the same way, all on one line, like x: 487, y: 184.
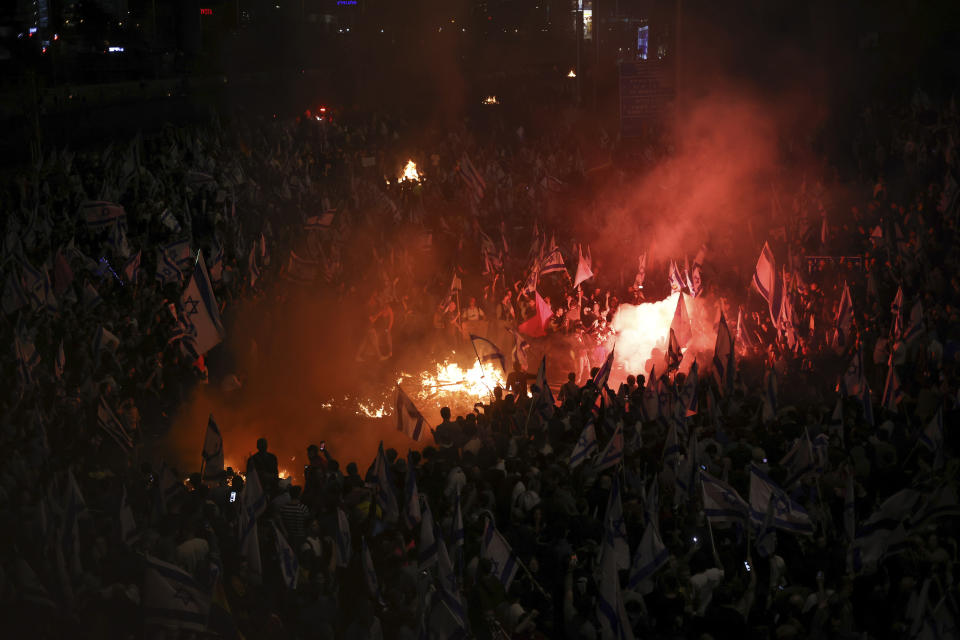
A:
x: 595, y: 515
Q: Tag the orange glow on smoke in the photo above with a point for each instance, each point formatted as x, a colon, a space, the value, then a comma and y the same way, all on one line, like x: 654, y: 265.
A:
x: 640, y: 329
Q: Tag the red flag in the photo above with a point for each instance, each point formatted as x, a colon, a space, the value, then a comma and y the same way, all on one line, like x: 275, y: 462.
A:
x: 536, y: 326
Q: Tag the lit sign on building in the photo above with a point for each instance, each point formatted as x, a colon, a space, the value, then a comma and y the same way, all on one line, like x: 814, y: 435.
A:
x: 204, y: 11
x: 643, y: 42
x: 350, y: 3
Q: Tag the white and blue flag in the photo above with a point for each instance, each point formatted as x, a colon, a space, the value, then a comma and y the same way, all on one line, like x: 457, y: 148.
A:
x: 201, y: 315
x: 167, y: 270
x: 409, y: 419
x: 488, y: 352
x: 173, y: 598
x: 546, y: 405
x: 723, y: 367
x: 843, y: 323
x: 212, y: 453
x: 799, y: 461
x: 552, y: 263
x: 932, y: 438
x: 253, y: 502
x: 496, y: 549
x: 411, y: 506
x: 788, y: 515
x: 612, y: 454
x: 767, y: 281
x: 766, y: 542
x: 614, y: 622
x: 386, y: 498
x: 289, y: 565
x: 721, y: 502
x: 614, y: 527
x: 369, y: 573
x: 586, y: 444
x: 111, y: 424
x: 892, y: 392
x: 427, y: 544
x: 603, y: 373
x: 650, y: 556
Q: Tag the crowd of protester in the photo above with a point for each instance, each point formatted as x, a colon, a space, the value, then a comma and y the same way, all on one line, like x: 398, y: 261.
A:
x: 92, y: 528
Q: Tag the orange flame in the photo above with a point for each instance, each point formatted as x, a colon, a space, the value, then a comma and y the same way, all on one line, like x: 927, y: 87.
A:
x: 410, y: 173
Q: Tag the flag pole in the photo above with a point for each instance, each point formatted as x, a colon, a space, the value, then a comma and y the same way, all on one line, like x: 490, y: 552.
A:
x: 203, y: 457
x: 527, y: 421
x: 713, y: 545
x: 480, y: 362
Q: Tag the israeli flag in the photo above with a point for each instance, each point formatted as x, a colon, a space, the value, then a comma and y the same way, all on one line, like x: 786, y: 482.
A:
x: 411, y: 511
x: 167, y: 270
x: 615, y: 530
x: 650, y: 556
x: 788, y: 515
x: 721, y: 502
x: 488, y: 352
x: 212, y: 453
x: 172, y: 598
x: 385, y: 496
x: 614, y: 622
x: 586, y: 444
x: 612, y: 454
x: 201, y: 315
x: 427, y: 544
x: 496, y: 549
x: 409, y: 419
x: 723, y: 368
x: 369, y: 573
x: 289, y: 565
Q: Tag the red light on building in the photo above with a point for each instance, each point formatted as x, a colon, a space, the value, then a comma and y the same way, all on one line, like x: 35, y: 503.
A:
x: 204, y: 11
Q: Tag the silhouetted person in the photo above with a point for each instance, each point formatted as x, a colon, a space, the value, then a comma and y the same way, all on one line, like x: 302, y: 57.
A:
x: 569, y: 395
x: 517, y: 381
x: 266, y: 465
x: 443, y: 434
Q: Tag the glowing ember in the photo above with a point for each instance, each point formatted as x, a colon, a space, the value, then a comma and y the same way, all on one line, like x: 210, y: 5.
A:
x: 410, y: 173
x: 491, y: 100
x: 371, y: 410
x: 572, y: 74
